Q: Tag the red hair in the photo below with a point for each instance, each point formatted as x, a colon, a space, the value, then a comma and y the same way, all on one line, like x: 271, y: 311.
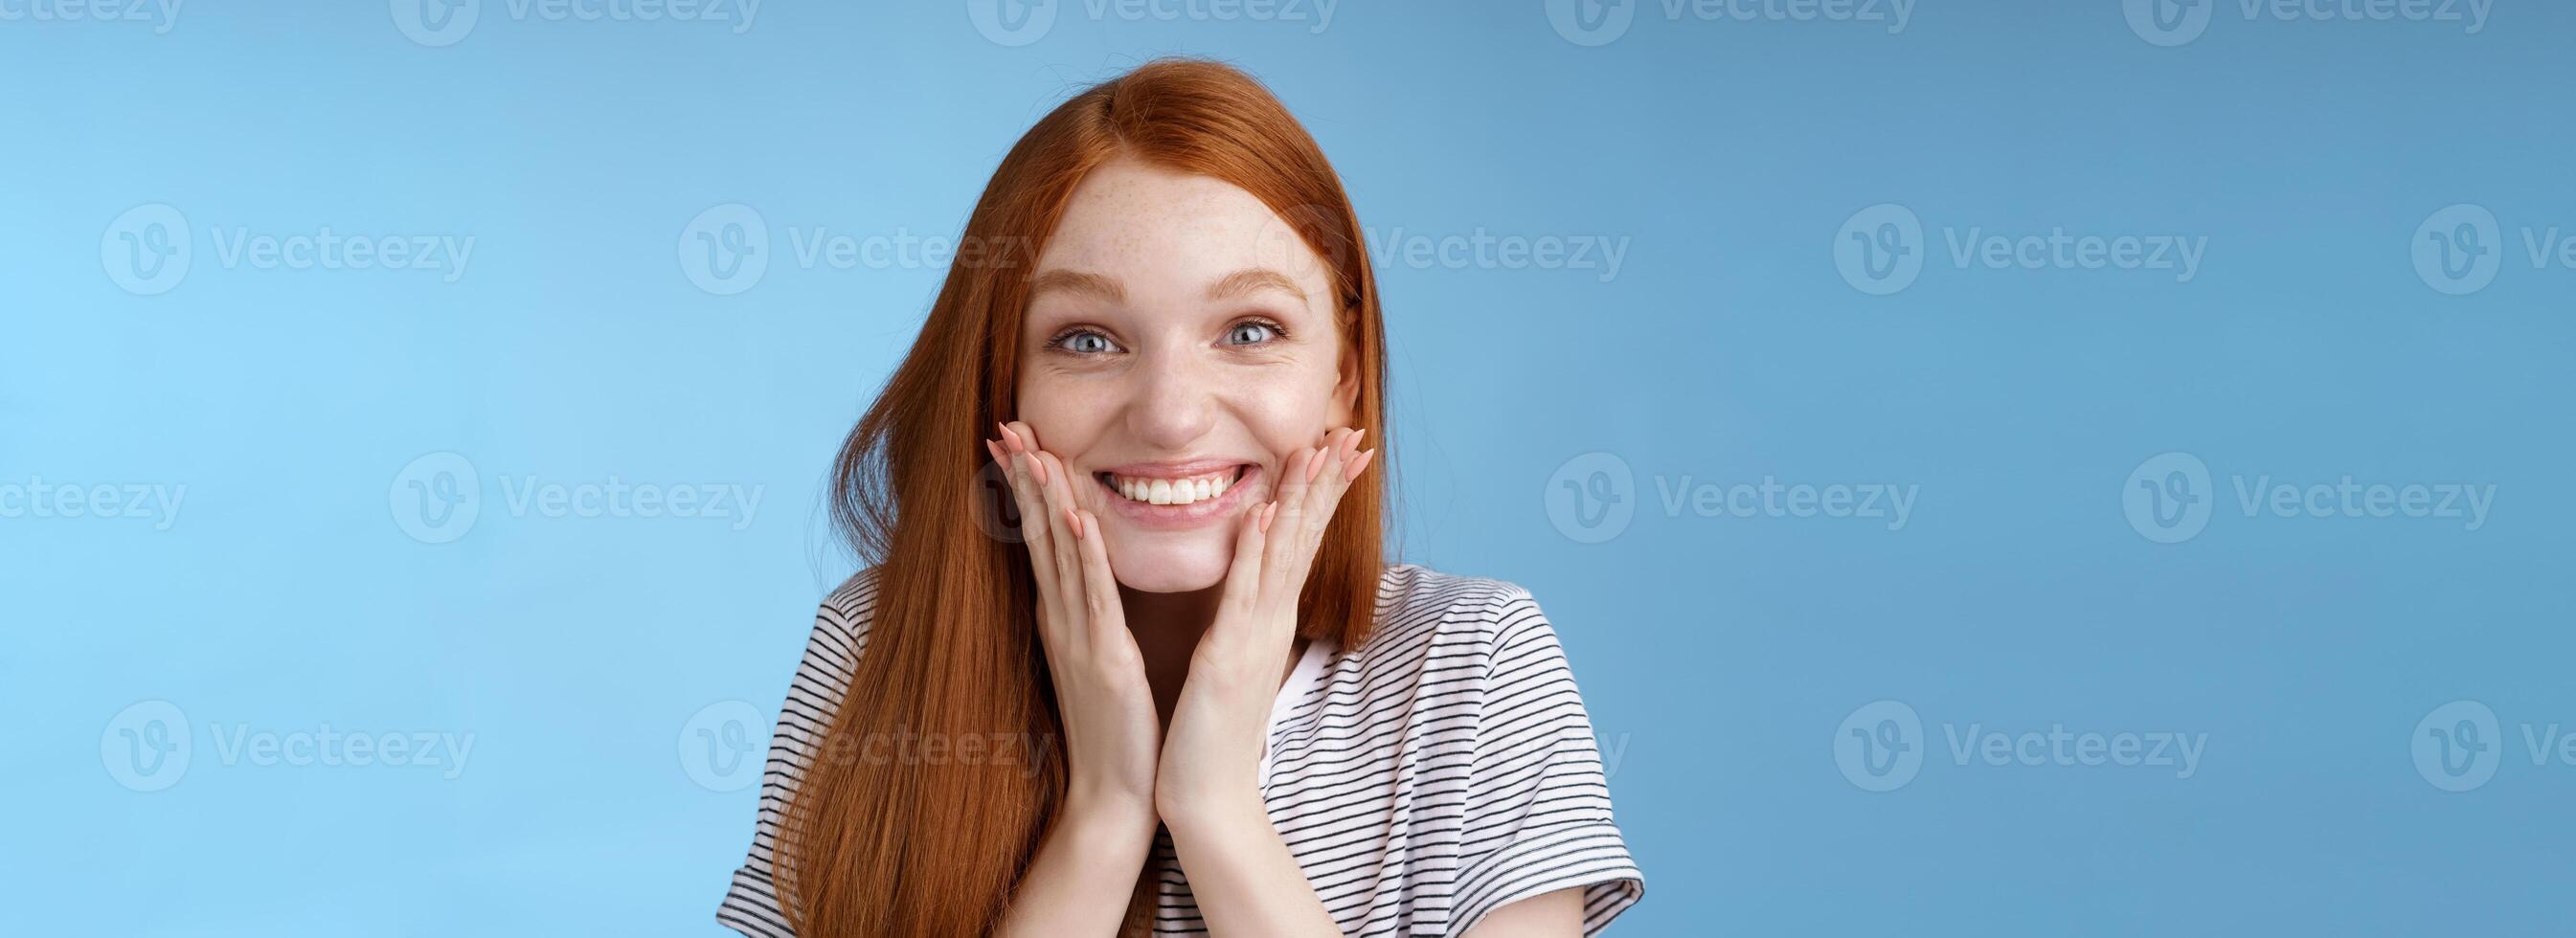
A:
x: 952, y: 648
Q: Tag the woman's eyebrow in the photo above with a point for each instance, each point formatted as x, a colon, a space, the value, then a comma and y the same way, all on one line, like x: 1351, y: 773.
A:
x: 1251, y: 280
x: 1076, y: 281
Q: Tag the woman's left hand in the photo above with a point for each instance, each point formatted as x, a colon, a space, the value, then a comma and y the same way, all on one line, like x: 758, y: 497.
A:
x: 1211, y: 758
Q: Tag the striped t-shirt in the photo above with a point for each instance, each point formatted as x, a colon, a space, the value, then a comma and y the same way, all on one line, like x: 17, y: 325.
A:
x: 1443, y: 769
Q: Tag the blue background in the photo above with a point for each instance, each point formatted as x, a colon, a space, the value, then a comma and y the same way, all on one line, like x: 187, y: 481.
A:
x: 1719, y: 655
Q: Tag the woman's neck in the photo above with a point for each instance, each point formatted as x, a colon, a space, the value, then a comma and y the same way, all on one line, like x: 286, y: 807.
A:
x: 1169, y: 619
x: 1167, y: 627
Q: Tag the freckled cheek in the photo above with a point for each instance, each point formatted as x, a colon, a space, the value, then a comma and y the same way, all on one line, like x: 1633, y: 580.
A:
x: 1068, y: 416
x: 1282, y: 416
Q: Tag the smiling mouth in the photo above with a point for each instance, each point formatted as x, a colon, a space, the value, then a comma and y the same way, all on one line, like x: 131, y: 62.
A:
x: 1188, y: 490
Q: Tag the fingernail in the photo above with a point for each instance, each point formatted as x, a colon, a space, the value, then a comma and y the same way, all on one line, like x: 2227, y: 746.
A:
x: 1009, y: 438
x: 1040, y: 466
x: 1073, y: 521
x: 1266, y: 512
x: 1314, y: 465
x: 1357, y: 463
x: 1352, y: 445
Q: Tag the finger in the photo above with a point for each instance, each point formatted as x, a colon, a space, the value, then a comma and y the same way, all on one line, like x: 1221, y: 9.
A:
x: 1029, y: 441
x: 1287, y: 522
x: 1243, y: 573
x: 1033, y: 534
x: 1068, y: 554
x: 1099, y: 586
x: 1324, y: 501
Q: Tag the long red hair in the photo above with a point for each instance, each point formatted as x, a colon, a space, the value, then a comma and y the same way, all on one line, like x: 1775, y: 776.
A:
x: 952, y: 647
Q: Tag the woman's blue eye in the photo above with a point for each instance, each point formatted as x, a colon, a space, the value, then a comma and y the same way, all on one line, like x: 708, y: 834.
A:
x: 1251, y: 333
x: 1082, y: 341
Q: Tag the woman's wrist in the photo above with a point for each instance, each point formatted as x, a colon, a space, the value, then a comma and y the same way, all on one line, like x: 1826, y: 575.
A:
x: 1104, y: 817
x: 1216, y: 815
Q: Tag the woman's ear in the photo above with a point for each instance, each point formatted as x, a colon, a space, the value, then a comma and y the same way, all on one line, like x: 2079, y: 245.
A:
x: 1346, y: 389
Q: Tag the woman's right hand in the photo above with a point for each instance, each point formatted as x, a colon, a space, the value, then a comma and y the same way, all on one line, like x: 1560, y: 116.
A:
x: 1112, y: 736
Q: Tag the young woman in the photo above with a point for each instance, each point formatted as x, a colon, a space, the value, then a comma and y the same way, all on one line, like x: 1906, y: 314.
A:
x: 1183, y: 692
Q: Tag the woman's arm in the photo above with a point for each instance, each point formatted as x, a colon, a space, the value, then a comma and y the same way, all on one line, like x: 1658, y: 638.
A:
x: 1245, y: 880
x: 1208, y: 787
x: 1085, y: 870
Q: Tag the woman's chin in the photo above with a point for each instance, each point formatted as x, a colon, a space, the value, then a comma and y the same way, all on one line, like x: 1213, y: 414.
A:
x: 1170, y: 568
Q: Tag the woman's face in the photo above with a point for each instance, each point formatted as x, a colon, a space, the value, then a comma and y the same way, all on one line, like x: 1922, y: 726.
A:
x: 1179, y: 340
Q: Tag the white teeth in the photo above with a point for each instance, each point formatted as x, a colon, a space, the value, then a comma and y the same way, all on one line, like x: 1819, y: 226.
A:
x: 1173, y: 491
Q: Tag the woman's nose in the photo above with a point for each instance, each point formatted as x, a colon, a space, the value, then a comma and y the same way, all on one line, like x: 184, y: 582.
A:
x: 1174, y: 403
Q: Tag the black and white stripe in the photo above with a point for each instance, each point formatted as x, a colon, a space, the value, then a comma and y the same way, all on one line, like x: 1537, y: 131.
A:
x: 1442, y: 770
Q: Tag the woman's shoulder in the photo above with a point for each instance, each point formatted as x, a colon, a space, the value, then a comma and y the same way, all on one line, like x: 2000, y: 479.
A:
x: 840, y: 634
x: 1424, y: 614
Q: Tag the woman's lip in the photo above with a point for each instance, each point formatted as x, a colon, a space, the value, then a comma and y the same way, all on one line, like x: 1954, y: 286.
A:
x: 1175, y: 517
x: 1173, y: 470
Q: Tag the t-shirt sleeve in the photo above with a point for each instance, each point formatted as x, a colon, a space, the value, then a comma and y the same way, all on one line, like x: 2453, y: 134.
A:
x: 1538, y: 804
x: 751, y: 903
